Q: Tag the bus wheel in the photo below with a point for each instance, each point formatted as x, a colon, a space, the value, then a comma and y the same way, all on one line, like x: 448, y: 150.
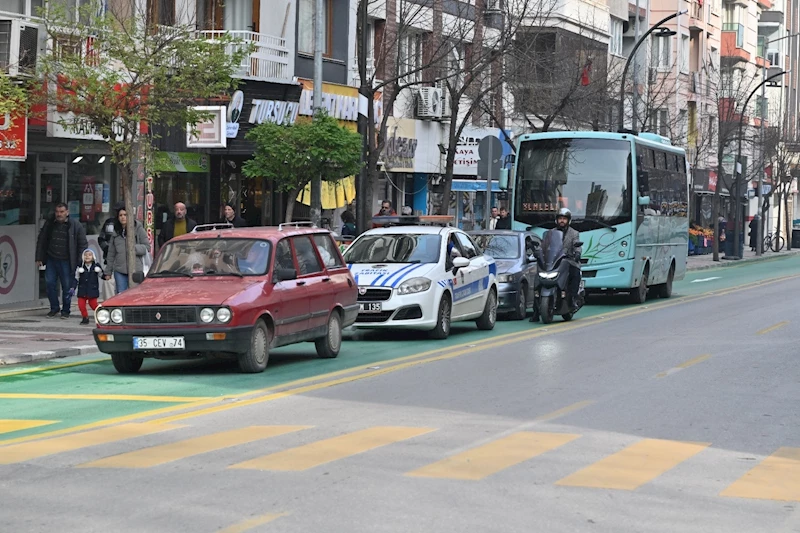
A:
x: 665, y: 289
x: 639, y: 294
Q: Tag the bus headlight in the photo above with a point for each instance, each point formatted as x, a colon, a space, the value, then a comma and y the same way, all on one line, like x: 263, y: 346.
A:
x: 116, y: 316
x: 103, y: 316
x: 223, y: 314
x: 207, y: 315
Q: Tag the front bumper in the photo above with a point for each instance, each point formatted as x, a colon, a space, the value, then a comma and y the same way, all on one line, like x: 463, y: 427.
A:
x: 410, y: 311
x: 237, y: 340
x: 507, y: 296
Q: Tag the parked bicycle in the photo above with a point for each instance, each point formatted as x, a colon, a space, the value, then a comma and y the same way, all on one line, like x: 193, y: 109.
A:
x: 774, y: 242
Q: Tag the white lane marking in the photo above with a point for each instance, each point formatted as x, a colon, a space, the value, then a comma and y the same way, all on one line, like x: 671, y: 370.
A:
x: 705, y: 279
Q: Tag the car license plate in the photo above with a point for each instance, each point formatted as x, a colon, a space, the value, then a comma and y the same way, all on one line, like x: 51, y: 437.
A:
x: 372, y: 307
x: 158, y: 343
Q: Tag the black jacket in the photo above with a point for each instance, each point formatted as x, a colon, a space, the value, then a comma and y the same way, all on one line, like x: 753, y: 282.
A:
x: 89, y: 281
x: 168, y: 230
x: 238, y: 222
x: 106, y: 234
x: 503, y: 223
x: 77, y: 241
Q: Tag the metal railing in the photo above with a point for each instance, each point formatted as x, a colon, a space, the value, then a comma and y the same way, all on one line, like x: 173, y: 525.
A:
x: 269, y: 60
x: 739, y: 29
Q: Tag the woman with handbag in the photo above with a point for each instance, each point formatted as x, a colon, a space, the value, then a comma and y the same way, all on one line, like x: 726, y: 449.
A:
x: 117, y: 251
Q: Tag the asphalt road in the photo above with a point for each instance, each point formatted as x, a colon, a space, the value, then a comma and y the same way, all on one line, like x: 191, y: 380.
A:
x: 679, y: 416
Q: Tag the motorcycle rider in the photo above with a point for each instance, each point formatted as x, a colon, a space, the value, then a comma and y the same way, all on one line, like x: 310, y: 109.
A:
x: 573, y: 256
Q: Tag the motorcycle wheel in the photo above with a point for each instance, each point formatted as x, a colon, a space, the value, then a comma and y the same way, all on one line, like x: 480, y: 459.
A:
x: 567, y: 317
x: 546, y: 309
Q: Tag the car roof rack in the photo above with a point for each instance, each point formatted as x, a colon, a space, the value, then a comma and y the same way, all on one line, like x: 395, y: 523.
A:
x: 414, y: 220
x: 211, y: 227
x: 298, y: 224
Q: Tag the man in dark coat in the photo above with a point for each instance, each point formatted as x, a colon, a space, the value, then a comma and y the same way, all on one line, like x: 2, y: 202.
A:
x: 180, y: 224
x: 231, y: 217
x: 60, y: 243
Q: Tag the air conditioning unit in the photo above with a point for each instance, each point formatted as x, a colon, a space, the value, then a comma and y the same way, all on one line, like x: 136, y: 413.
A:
x: 429, y: 102
x: 442, y: 86
x: 19, y: 47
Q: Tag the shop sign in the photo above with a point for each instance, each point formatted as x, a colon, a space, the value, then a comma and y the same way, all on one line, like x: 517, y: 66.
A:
x: 149, y: 224
x: 340, y: 101
x: 68, y: 125
x: 470, y: 152
x: 180, y: 162
x: 401, y: 146
x: 13, y: 138
x: 210, y: 133
x: 277, y: 111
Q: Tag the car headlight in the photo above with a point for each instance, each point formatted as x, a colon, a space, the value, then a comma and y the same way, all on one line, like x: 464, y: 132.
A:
x: 116, y: 316
x: 207, y: 315
x: 548, y: 275
x: 504, y: 278
x: 414, y: 285
x: 103, y: 316
x: 223, y: 314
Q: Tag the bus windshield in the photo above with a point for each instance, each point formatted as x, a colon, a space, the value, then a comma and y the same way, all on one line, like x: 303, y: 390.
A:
x: 590, y: 177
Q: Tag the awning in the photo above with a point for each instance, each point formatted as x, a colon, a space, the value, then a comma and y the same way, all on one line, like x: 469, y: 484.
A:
x: 474, y: 185
x: 335, y: 194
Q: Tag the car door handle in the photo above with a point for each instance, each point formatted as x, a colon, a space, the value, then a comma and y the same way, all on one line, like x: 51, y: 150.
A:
x: 326, y: 279
x: 301, y: 282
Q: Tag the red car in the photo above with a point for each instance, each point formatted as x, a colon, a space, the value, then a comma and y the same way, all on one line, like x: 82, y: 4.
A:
x: 233, y: 292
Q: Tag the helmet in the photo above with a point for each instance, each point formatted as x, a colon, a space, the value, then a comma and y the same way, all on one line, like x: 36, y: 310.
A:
x: 564, y: 212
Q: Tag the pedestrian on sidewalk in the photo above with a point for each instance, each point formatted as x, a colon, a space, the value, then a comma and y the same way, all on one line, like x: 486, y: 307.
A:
x: 87, y: 283
x: 118, y: 250
x: 58, y: 245
x: 754, y: 233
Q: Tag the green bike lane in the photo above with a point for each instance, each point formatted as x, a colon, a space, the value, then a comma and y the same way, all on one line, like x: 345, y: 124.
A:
x: 54, y: 396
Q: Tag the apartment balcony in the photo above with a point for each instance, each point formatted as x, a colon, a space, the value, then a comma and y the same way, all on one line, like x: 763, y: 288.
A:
x: 696, y: 20
x: 770, y: 22
x: 269, y: 60
x: 733, y: 43
x: 728, y: 110
x: 765, y: 4
x: 761, y: 52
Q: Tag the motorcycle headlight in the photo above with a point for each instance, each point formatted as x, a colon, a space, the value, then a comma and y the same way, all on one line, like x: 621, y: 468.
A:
x: 223, y: 314
x: 103, y: 316
x: 414, y: 285
x: 504, y: 278
x: 116, y: 316
x: 207, y: 315
x: 548, y: 275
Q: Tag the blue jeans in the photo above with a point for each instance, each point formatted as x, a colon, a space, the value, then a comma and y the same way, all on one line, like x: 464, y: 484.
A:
x: 121, y: 282
x: 58, y: 270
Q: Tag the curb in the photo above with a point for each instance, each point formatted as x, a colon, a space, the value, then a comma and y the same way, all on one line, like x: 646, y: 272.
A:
x: 44, y: 355
x: 724, y: 263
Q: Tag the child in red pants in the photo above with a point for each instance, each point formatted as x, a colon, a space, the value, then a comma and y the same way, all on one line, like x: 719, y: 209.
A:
x: 87, y: 283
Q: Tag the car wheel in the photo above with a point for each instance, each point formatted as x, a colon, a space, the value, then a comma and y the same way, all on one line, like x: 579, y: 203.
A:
x: 442, y: 329
x: 522, y: 303
x: 329, y: 345
x: 126, y: 362
x: 255, y: 359
x: 489, y: 317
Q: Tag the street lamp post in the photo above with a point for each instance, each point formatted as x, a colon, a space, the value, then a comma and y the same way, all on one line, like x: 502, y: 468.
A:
x: 738, y: 170
x: 664, y: 32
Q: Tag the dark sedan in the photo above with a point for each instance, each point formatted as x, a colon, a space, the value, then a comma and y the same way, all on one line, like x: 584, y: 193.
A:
x: 516, y: 268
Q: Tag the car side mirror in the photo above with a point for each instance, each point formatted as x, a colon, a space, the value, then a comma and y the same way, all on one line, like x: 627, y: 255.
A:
x: 138, y: 277
x: 644, y: 200
x: 460, y: 262
x: 285, y: 274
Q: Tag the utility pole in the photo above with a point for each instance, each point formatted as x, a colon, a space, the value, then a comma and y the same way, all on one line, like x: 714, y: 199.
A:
x: 635, y: 99
x: 363, y: 117
x: 316, y: 181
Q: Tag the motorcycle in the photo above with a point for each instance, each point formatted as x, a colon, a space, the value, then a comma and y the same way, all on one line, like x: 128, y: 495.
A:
x: 550, y: 286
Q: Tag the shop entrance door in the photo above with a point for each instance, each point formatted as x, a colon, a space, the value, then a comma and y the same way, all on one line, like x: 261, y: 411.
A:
x: 51, y: 184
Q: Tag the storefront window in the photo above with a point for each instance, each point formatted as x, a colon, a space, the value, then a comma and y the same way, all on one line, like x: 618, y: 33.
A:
x: 186, y: 187
x: 16, y: 193
x: 89, y: 190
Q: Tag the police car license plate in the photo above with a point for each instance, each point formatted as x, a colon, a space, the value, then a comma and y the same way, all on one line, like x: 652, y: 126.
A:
x: 158, y: 343
x: 372, y: 307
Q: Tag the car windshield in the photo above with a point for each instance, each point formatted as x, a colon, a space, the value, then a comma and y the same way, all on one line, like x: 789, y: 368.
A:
x: 394, y: 248
x: 212, y: 257
x: 499, y: 246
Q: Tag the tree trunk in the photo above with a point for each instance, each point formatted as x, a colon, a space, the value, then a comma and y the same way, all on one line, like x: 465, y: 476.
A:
x: 290, y: 201
x: 715, y: 206
x: 126, y: 184
x: 450, y: 161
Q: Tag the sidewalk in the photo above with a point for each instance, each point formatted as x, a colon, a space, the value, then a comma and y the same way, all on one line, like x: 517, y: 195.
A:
x: 28, y: 335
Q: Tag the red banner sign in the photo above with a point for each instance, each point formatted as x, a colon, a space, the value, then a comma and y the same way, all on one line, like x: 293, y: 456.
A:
x: 13, y: 138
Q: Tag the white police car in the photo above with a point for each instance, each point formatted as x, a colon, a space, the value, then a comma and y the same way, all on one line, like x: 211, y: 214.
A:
x: 421, y: 277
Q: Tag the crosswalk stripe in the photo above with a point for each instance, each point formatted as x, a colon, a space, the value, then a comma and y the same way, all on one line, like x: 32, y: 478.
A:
x: 7, y: 426
x: 776, y: 478
x: 25, y: 451
x: 166, y: 453
x: 325, y: 451
x: 495, y: 456
x: 634, y: 466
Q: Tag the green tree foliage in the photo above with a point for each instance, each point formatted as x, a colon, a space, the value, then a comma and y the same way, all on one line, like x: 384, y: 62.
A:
x: 119, y: 75
x: 291, y: 155
x: 12, y: 96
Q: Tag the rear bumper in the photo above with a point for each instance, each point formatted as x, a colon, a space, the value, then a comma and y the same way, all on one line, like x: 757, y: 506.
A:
x: 237, y: 340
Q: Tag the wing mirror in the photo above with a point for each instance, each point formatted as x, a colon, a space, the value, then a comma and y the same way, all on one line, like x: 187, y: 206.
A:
x: 460, y: 262
x: 285, y: 274
x: 138, y: 277
x: 644, y: 200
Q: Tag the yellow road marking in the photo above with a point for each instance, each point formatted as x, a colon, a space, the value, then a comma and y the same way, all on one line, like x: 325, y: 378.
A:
x: 328, y: 450
x: 246, y: 525
x: 7, y: 426
x: 52, y: 367
x: 495, y: 456
x: 634, y: 466
x: 772, y: 328
x: 33, y: 450
x: 776, y: 478
x: 422, y: 358
x: 104, y: 397
x: 564, y: 411
x: 687, y: 364
x: 166, y: 453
